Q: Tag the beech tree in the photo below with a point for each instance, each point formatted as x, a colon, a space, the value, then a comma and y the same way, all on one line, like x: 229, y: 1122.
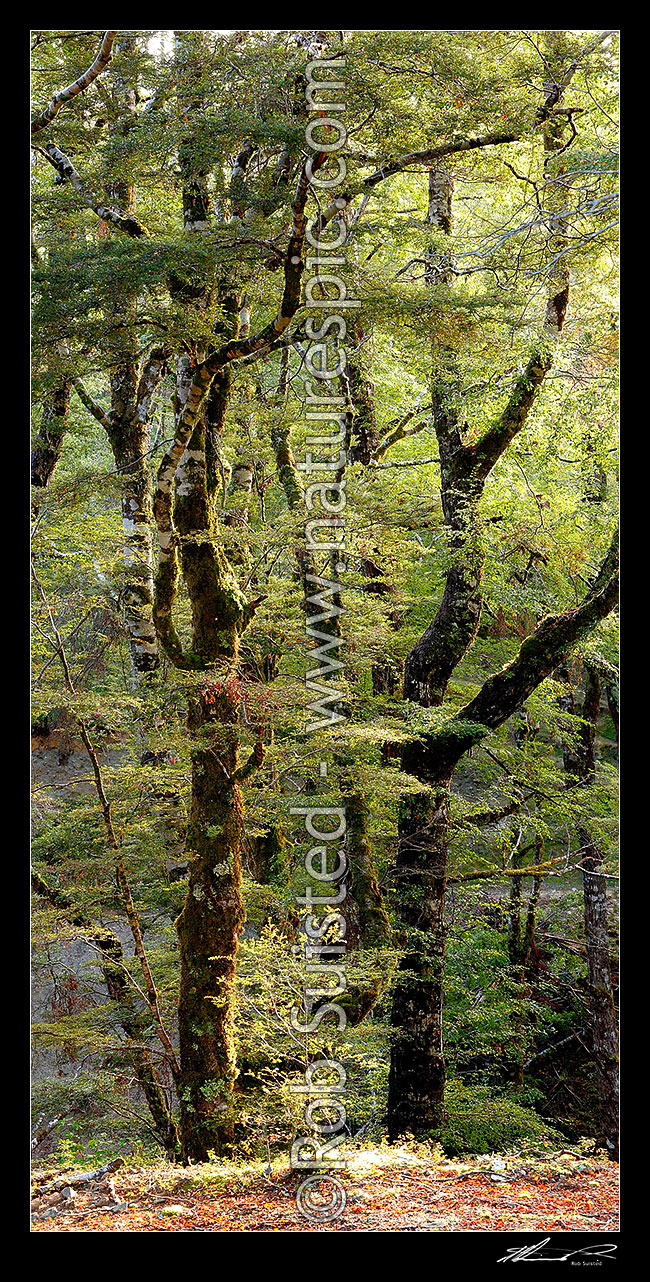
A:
x: 416, y: 1091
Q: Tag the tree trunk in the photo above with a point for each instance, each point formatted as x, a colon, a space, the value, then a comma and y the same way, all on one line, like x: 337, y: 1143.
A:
x: 371, y: 926
x: 128, y: 426
x: 521, y: 937
x: 416, y: 1082
x: 128, y: 433
x: 49, y: 441
x: 210, y: 925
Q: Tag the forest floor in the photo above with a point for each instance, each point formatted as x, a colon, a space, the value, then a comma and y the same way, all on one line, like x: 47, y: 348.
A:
x: 388, y: 1190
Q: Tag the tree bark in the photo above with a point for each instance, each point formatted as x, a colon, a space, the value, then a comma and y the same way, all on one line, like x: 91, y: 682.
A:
x: 129, y: 438
x: 416, y: 1082
x: 374, y: 930
x: 210, y: 926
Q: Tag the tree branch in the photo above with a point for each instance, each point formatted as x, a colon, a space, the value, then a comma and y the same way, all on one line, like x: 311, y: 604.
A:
x: 399, y: 430
x: 49, y: 441
x: 481, y: 457
x: 64, y: 167
x: 103, y: 57
x: 541, y: 652
x: 153, y: 370
x: 252, y: 764
x: 90, y: 404
x: 395, y: 166
x: 533, y: 870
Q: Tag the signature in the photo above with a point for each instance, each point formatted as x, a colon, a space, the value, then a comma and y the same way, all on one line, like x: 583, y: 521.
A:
x: 541, y: 1251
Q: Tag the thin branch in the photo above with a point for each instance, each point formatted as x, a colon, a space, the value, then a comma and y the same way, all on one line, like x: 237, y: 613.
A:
x: 115, y: 843
x: 535, y: 870
x: 399, y: 163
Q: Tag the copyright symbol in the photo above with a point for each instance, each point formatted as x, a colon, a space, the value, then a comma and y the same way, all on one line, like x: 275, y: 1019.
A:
x: 321, y: 1198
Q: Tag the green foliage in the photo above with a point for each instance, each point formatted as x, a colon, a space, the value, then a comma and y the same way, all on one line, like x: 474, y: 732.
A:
x: 489, y: 1015
x: 90, y: 1119
x: 479, y: 1122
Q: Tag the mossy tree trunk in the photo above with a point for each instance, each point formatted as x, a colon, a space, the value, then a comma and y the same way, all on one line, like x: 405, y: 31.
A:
x: 210, y: 924
x: 271, y: 857
x: 373, y: 927
x: 133, y: 382
x: 209, y: 927
x: 417, y: 1076
x: 128, y: 431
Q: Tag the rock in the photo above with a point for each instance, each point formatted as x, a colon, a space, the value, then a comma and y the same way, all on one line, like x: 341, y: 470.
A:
x: 173, y: 1210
